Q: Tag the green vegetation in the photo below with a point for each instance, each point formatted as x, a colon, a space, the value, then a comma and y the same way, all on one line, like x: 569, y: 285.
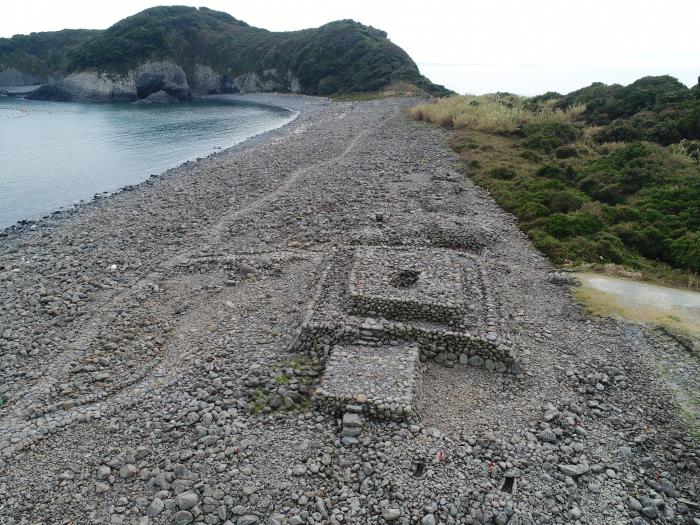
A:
x: 655, y: 109
x: 396, y: 89
x: 42, y: 54
x: 607, y: 174
x: 295, y: 372
x: 282, y: 379
x: 339, y: 57
x: 259, y: 401
x: 499, y: 113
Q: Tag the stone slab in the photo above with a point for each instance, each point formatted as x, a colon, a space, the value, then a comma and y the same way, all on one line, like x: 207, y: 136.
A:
x: 383, y: 380
x: 404, y: 285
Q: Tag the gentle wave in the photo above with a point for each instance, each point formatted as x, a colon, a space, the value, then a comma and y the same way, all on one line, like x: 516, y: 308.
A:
x: 7, y: 113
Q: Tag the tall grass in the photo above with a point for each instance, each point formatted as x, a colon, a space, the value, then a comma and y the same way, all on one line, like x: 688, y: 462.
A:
x: 490, y: 113
x: 686, y: 150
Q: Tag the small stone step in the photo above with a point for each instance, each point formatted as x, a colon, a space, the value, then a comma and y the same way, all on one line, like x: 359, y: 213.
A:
x: 352, y: 425
x: 384, y: 381
x: 352, y: 420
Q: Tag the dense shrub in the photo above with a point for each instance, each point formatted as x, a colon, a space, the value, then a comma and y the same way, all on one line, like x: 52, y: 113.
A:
x: 572, y: 224
x: 565, y: 152
x: 686, y: 250
x: 642, y: 126
x: 607, y: 103
x: 630, y: 196
x: 648, y: 241
x: 689, y: 124
x: 549, y: 136
x: 533, y: 210
x: 550, y: 171
x: 531, y: 156
x: 566, y: 201
x: 44, y: 53
x: 502, y: 173
x: 548, y: 244
x: 656, y: 109
x: 609, y: 248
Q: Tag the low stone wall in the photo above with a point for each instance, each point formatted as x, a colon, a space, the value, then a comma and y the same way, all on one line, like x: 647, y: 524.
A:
x: 446, y: 347
x: 396, y: 308
x: 457, y: 237
x: 376, y: 408
x: 449, y: 347
x: 433, y: 304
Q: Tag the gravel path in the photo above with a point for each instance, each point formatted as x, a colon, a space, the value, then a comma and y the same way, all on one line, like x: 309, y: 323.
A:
x: 148, y: 371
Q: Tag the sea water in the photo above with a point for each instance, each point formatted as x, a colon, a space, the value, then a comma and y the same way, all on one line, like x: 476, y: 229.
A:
x: 55, y: 154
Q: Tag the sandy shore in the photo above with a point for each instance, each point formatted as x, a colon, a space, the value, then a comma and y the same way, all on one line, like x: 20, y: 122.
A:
x: 148, y: 373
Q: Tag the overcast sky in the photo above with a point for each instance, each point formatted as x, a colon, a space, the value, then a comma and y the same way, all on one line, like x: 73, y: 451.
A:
x: 524, y: 46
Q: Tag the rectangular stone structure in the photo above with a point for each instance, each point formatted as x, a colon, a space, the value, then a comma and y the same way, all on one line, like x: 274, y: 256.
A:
x: 383, y: 380
x: 406, y: 285
x: 347, y: 310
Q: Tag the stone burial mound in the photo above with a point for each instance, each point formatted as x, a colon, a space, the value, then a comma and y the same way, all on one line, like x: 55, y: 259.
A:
x: 378, y: 311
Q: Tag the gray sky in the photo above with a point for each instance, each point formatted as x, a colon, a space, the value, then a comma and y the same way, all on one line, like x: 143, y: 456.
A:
x: 471, y: 46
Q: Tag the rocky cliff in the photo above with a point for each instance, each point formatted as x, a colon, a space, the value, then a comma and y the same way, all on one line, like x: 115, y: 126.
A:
x: 13, y: 77
x: 183, y: 50
x: 147, y: 79
x: 160, y: 77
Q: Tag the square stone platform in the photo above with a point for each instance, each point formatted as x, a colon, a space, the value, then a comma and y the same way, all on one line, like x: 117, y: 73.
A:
x: 383, y: 380
x: 406, y: 285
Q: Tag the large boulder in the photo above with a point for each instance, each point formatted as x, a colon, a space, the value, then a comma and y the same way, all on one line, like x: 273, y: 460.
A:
x: 206, y: 80
x: 158, y: 97
x: 266, y: 81
x: 51, y: 92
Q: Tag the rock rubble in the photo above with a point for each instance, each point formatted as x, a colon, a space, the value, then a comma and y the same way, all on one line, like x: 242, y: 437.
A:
x: 150, y: 372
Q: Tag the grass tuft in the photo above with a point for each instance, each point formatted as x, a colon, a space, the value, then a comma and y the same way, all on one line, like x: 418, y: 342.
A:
x: 397, y: 89
x: 496, y: 113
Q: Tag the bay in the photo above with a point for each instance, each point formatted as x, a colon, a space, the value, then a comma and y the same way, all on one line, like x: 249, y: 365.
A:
x: 53, y: 154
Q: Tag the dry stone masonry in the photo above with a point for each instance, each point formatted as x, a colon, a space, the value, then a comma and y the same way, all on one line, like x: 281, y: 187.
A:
x: 383, y: 381
x: 378, y: 311
x: 399, y: 284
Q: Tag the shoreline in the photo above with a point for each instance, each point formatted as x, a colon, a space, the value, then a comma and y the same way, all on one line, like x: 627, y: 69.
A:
x: 294, y: 103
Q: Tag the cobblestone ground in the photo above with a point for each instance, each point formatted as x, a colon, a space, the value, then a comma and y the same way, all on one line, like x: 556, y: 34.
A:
x: 147, y: 370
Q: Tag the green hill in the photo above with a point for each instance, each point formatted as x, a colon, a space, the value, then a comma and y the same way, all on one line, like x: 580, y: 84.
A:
x: 218, y: 53
x: 42, y: 54
x: 657, y: 109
